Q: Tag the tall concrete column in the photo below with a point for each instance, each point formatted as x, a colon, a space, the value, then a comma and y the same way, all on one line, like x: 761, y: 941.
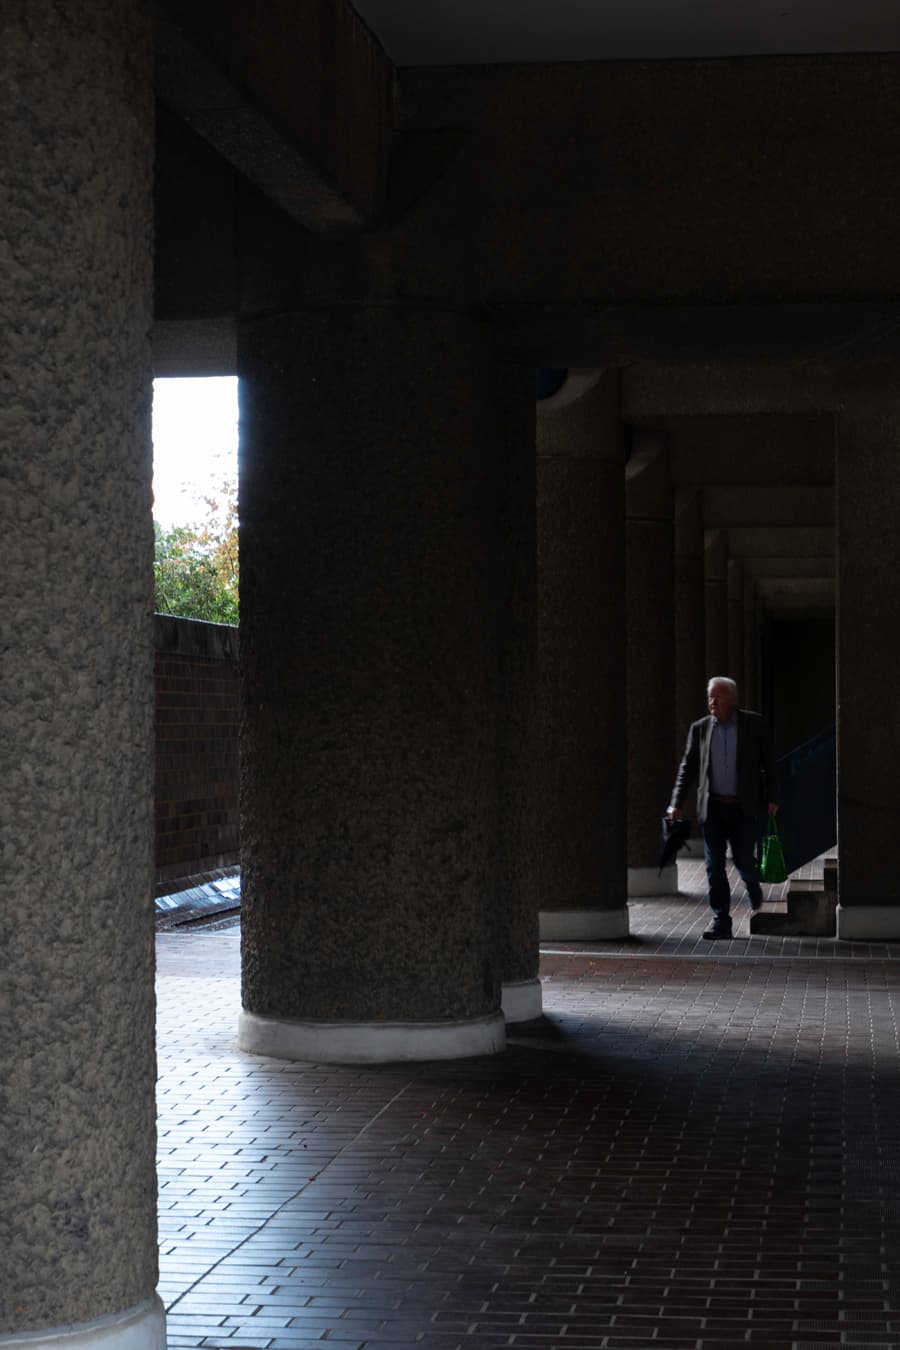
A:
x: 750, y: 695
x: 690, y: 655
x: 518, y: 900
x: 715, y: 589
x: 370, y: 589
x: 868, y: 633
x: 735, y: 585
x: 581, y: 658
x: 78, y: 1216
x: 650, y: 683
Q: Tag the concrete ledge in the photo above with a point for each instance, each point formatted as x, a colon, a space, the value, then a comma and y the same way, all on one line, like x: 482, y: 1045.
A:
x: 874, y: 923
x: 371, y: 1042
x: 142, y: 1327
x: 194, y: 638
x: 583, y: 925
x: 645, y: 881
x: 522, y: 1000
x: 194, y: 347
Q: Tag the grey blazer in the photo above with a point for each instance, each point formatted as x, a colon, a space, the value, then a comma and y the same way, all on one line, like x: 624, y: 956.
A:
x: 756, y: 772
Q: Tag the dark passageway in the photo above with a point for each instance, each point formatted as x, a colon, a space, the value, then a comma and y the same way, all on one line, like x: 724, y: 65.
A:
x: 474, y: 629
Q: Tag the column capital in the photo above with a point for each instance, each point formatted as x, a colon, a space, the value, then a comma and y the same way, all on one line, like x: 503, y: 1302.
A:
x: 586, y: 428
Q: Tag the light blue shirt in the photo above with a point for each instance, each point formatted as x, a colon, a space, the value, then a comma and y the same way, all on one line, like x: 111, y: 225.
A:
x: 723, y: 758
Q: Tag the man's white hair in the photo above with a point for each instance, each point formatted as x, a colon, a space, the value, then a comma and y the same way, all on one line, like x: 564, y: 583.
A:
x: 725, y: 680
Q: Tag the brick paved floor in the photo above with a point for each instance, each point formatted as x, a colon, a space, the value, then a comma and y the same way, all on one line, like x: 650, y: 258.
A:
x: 698, y: 1152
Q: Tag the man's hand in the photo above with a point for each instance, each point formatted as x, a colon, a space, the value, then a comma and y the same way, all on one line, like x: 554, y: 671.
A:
x: 675, y: 813
x: 773, y: 808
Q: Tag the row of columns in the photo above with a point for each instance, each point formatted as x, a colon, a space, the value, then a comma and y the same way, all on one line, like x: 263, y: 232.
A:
x: 393, y: 836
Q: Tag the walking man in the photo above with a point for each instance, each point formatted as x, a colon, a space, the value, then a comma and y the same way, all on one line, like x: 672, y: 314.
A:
x: 729, y: 757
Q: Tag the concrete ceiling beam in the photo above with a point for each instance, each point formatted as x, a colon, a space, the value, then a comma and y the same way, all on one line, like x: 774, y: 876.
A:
x: 761, y: 506
x: 299, y: 98
x: 669, y: 184
x: 796, y: 592
x: 683, y: 334
x: 776, y: 541
x: 722, y: 388
x: 191, y: 348
x: 757, y: 569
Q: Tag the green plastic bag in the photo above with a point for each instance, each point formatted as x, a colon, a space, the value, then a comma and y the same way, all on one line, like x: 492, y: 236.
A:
x: 772, y: 869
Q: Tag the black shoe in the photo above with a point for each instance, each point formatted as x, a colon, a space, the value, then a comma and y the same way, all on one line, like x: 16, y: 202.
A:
x: 756, y: 899
x: 717, y: 930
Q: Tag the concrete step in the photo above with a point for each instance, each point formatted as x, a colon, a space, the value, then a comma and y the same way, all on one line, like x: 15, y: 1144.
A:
x: 810, y: 909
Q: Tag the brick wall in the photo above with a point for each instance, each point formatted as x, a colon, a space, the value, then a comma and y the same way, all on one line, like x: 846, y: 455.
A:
x: 197, y: 826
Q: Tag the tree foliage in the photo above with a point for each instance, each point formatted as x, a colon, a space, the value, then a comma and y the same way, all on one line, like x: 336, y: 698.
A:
x: 196, y: 566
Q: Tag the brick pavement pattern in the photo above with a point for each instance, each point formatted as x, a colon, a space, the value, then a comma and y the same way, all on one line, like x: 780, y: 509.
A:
x: 684, y: 1154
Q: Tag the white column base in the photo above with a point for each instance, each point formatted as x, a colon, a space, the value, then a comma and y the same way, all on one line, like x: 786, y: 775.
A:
x: 872, y: 923
x: 522, y: 1000
x: 371, y: 1042
x: 142, y: 1327
x: 646, y: 881
x: 583, y: 925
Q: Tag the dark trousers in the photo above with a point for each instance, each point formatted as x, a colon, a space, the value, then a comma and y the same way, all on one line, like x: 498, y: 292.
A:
x: 725, y: 823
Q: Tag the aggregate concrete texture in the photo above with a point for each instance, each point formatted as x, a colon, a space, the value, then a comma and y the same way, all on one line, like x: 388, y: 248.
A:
x: 581, y: 653
x: 77, y: 1225
x: 370, y: 662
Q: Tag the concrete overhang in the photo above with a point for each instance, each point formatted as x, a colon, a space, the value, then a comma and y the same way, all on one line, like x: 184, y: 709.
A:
x: 465, y: 32
x: 774, y: 541
x: 787, y: 569
x: 792, y: 504
x: 194, y: 347
x: 681, y: 335
x: 723, y: 388
x: 298, y: 98
x: 795, y: 595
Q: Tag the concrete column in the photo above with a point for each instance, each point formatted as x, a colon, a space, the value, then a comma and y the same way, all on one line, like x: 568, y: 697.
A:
x: 690, y: 655
x: 370, y: 589
x: 868, y: 631
x: 750, y: 695
x: 650, y: 671
x: 715, y: 589
x: 581, y: 660
x: 78, y: 1215
x: 735, y: 586
x: 519, y: 890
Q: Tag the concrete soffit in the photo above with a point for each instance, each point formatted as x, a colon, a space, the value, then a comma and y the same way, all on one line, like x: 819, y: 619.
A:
x: 227, y: 76
x: 428, y: 33
x: 737, y: 388
x: 194, y: 347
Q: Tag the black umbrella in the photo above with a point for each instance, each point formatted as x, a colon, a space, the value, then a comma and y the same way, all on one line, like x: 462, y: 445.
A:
x: 675, y: 834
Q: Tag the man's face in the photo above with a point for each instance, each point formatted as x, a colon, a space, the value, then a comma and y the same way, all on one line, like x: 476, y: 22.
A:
x: 721, y: 701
